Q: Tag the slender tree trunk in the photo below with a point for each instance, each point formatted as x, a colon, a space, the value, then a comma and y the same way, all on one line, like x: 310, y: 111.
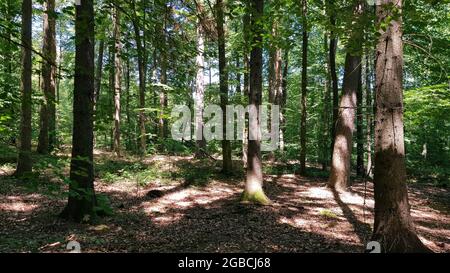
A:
x: 333, y: 74
x: 275, y: 72
x: 98, y: 74
x: 345, y: 125
x: 200, y: 92
x: 238, y: 74
x: 130, y: 140
x: 283, y: 98
x: 58, y: 77
x: 254, y: 179
x: 342, y: 150
x: 163, y: 93
x: 369, y: 105
x: 324, y: 134
x: 24, y: 164
x: 223, y: 75
x: 82, y: 201
x: 304, y: 88
x: 246, y: 87
x: 111, y: 89
x: 278, y: 86
x: 142, y: 82
x: 47, y: 132
x: 210, y: 72
x: 117, y: 81
x: 393, y: 226
x: 359, y: 127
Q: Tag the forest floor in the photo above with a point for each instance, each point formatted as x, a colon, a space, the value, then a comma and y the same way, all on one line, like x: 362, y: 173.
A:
x: 178, y: 204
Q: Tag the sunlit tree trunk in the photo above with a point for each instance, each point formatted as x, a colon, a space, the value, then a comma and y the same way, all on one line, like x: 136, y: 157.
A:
x: 246, y: 87
x: 245, y: 29
x: 117, y: 81
x: 345, y: 125
x: 283, y: 98
x: 200, y: 92
x: 369, y: 120
x: 111, y: 89
x: 58, y: 77
x: 324, y: 134
x: 333, y: 74
x: 163, y: 77
x: 82, y: 201
x: 275, y: 71
x: 359, y: 127
x: 393, y: 226
x: 99, y: 71
x: 130, y: 140
x: 24, y: 164
x: 223, y: 76
x: 278, y: 85
x: 303, y: 88
x: 47, y: 132
x: 141, y: 56
x: 253, y: 191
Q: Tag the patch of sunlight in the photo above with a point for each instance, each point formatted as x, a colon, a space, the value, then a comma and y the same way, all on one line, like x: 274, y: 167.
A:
x: 338, y: 231
x: 296, y: 222
x: 171, y: 207
x: 353, y: 198
x: 7, y: 169
x: 168, y: 219
x: 444, y: 232
x: 17, y: 206
x: 429, y: 244
x: 427, y: 215
x: 320, y: 193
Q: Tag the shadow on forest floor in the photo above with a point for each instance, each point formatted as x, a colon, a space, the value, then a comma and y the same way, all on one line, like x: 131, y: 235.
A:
x: 197, y: 209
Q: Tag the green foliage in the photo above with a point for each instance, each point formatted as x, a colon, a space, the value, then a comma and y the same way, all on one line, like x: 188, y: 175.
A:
x: 427, y: 132
x: 103, y: 206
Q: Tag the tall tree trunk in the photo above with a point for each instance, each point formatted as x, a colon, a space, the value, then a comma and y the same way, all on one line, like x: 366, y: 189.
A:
x: 324, y: 134
x: 278, y: 86
x: 130, y: 140
x: 223, y: 76
x: 58, y: 75
x: 245, y: 24
x: 111, y: 89
x: 345, y: 125
x: 283, y: 98
x: 200, y: 92
x: 24, y: 164
x: 359, y: 126
x: 238, y: 74
x: 304, y: 88
x: 333, y: 74
x: 47, y: 132
x: 253, y: 191
x: 117, y: 81
x: 142, y: 81
x: 275, y: 72
x: 393, y: 226
x: 98, y: 74
x: 82, y: 201
x: 246, y: 87
x: 163, y: 80
x: 369, y: 106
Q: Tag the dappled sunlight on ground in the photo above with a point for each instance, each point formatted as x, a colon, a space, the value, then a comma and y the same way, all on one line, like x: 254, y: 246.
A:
x: 178, y: 214
x: 17, y: 204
